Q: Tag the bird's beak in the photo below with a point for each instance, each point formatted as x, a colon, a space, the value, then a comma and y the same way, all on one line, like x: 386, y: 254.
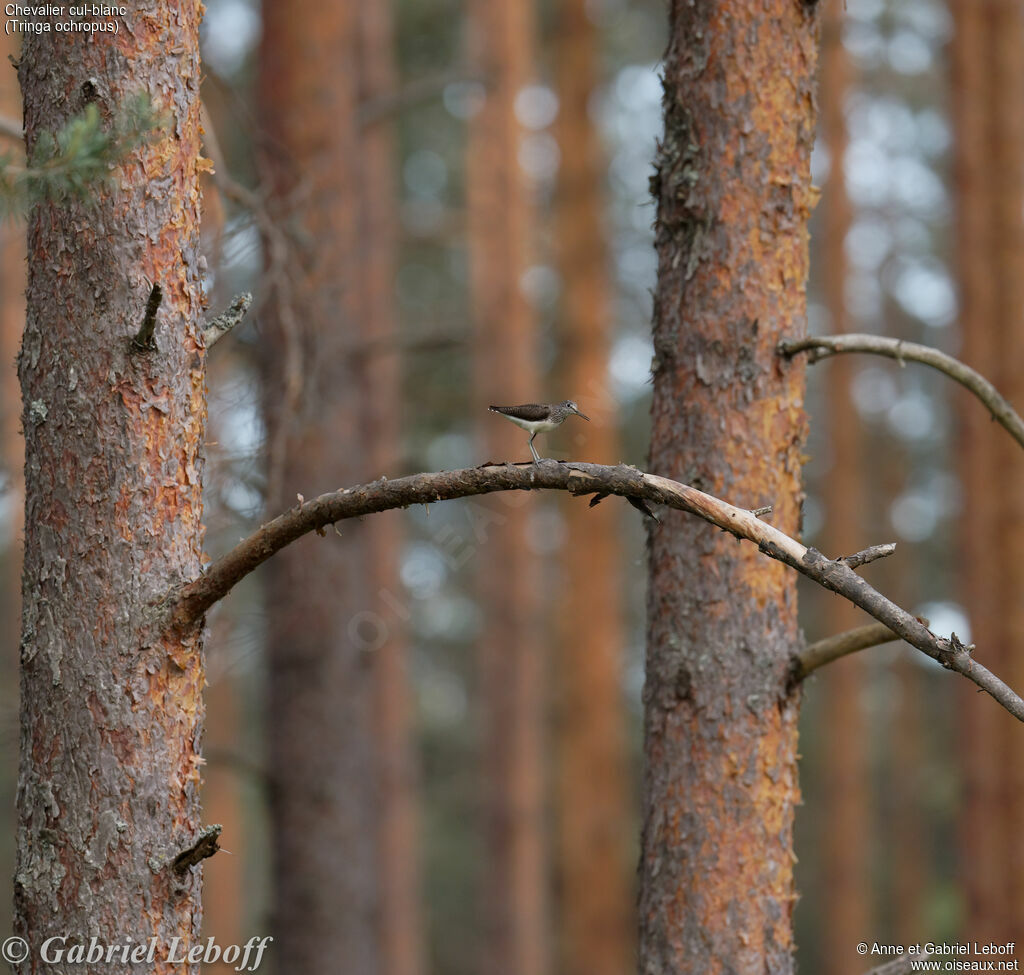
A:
x: 577, y: 412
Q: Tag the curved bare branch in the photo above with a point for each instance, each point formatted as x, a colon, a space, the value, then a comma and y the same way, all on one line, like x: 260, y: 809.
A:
x: 190, y: 604
x: 823, y: 346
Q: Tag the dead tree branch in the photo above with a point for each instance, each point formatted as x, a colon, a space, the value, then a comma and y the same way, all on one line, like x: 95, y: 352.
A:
x: 868, y: 555
x: 191, y: 602
x: 816, y: 655
x: 823, y: 346
x: 206, y: 844
x: 218, y: 327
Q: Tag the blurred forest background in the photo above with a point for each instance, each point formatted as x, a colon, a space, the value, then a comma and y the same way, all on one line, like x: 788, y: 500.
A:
x: 483, y: 234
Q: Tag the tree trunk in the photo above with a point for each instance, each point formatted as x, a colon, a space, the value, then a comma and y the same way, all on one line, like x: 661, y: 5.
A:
x: 989, y: 153
x: 223, y: 795
x: 734, y: 195
x: 321, y: 613
x: 912, y: 868
x: 111, y: 711
x: 595, y: 897
x: 12, y: 462
x: 401, y: 936
x: 505, y: 364
x: 845, y: 840
x: 1007, y: 200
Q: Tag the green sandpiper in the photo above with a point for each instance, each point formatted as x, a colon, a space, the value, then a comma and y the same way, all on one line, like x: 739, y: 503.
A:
x: 538, y: 417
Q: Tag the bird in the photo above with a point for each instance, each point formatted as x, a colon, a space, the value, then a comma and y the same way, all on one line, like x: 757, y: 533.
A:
x: 538, y: 417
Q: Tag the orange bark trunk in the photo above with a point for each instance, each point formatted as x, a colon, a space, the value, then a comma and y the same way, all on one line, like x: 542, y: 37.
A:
x: 734, y: 195
x: 224, y: 878
x: 324, y: 618
x: 846, y: 854
x: 989, y: 162
x: 400, y: 928
x: 1006, y: 32
x: 596, y: 902
x: 510, y: 661
x: 111, y: 711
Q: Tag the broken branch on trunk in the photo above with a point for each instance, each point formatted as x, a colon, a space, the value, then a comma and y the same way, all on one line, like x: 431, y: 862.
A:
x: 206, y: 845
x: 822, y: 346
x: 144, y: 340
x: 191, y: 602
x: 218, y: 327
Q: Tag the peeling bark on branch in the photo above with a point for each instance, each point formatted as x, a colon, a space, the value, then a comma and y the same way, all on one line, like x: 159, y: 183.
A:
x: 192, y: 601
x: 868, y: 555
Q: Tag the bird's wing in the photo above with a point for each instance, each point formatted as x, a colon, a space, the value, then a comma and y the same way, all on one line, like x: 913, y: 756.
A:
x: 528, y: 411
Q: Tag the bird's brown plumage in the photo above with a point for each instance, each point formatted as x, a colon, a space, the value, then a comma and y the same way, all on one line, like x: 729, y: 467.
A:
x: 531, y: 412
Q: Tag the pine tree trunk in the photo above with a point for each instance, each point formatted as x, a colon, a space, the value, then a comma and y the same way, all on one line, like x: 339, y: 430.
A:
x: 224, y: 796
x: 596, y: 900
x: 321, y: 608
x: 845, y: 841
x: 400, y: 923
x: 989, y: 156
x: 111, y: 710
x: 734, y: 196
x: 512, y: 700
x: 1007, y: 199
x: 12, y: 462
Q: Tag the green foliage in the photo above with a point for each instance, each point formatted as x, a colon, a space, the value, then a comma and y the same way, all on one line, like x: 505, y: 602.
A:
x: 84, y: 153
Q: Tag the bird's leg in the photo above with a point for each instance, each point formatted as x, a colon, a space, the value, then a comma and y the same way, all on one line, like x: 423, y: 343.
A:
x: 533, y: 450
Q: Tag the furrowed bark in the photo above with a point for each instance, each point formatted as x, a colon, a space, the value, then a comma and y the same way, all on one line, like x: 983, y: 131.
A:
x: 732, y: 185
x: 110, y: 713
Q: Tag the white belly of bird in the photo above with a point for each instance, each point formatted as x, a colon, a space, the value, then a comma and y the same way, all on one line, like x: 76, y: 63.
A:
x: 533, y: 426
